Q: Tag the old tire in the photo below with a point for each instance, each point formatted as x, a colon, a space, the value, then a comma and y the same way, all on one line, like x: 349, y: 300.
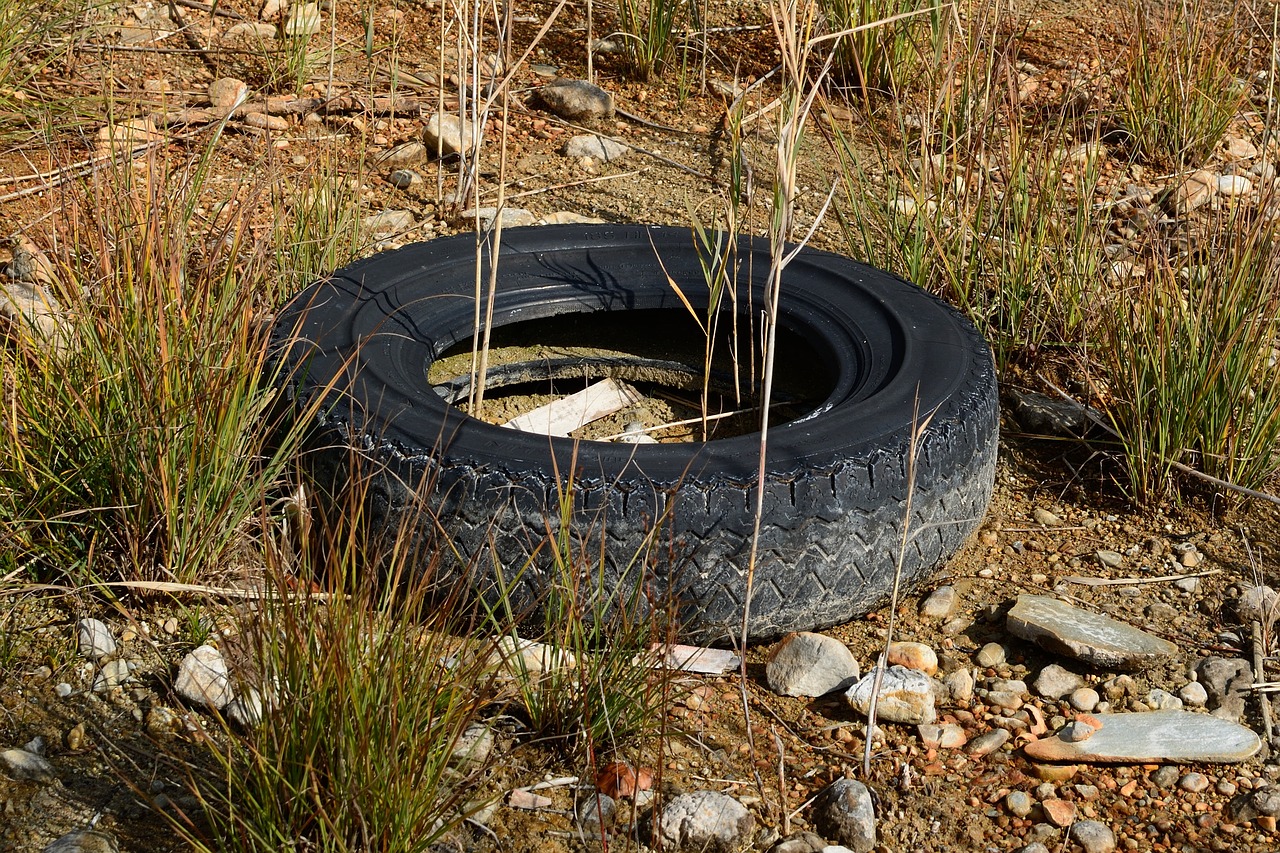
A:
x: 359, y: 344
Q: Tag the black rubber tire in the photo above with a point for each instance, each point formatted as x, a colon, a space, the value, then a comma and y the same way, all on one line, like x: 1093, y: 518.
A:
x: 836, y: 487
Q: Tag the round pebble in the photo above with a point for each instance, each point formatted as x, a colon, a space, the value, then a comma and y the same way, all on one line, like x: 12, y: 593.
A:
x: 1194, y: 782
x: 62, y: 689
x: 1085, y: 699
x: 1018, y: 803
x: 1193, y: 695
x: 1093, y: 836
x: 402, y: 179
x: 1165, y: 777
x: 992, y: 654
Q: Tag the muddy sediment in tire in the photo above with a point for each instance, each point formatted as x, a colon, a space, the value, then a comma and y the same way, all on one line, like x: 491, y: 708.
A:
x: 671, y: 520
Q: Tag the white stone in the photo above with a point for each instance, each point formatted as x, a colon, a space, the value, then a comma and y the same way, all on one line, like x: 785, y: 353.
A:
x: 387, y: 223
x: 704, y: 820
x: 941, y: 603
x: 512, y: 217
x: 1233, y: 185
x: 251, y: 31
x: 304, y: 20
x: 94, y: 639
x: 598, y: 147
x: 445, y: 134
x: 808, y: 664
x: 844, y: 812
x: 1099, y: 640
x: 905, y: 696
x: 247, y: 710
x: 114, y: 673
x: 959, y: 686
x: 203, y: 678
x: 226, y: 93
x: 1193, y: 695
x: 21, y: 765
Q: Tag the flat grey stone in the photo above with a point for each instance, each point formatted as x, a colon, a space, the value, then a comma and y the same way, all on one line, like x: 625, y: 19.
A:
x: 704, y: 821
x: 1099, y: 640
x: 590, y: 145
x: 386, y: 223
x: 447, y: 134
x: 1054, y: 682
x: 84, y: 841
x: 576, y: 100
x: 1181, y: 737
x: 94, y: 639
x: 22, y: 765
x: 941, y: 603
x: 808, y: 664
x: 402, y: 156
x: 114, y: 673
x: 512, y: 217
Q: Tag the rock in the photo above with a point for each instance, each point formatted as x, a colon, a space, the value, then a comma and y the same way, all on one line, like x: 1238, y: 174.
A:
x: 387, y: 223
x: 273, y: 9
x: 128, y: 134
x: 262, y: 121
x: 247, y: 710
x: 1111, y: 559
x: 1018, y: 803
x: 1076, y: 731
x: 1258, y: 604
x: 1238, y: 148
x: 114, y: 673
x: 1196, y: 191
x: 472, y: 748
x: 30, y: 264
x: 512, y: 217
x: 445, y: 134
x: 941, y: 603
x: 1260, y: 802
x: 944, y: 736
x: 84, y: 841
x: 1165, y: 777
x: 254, y: 32
x: 31, y: 306
x: 203, y: 678
x: 304, y: 20
x: 576, y: 100
x: 1195, y: 783
x: 1046, y: 518
x: 94, y: 639
x: 1152, y: 737
x: 1093, y: 836
x: 1054, y: 682
x: 988, y: 742
x: 403, y: 155
x: 1227, y: 682
x: 915, y: 656
x: 1084, y: 699
x: 1098, y: 640
x: 799, y: 842
x: 1193, y: 695
x: 596, y: 811
x: 906, y: 696
x: 227, y: 93
x: 843, y: 812
x: 1264, y: 171
x: 63, y: 689
x: 808, y: 664
x: 529, y: 659
x: 1163, y: 700
x: 402, y: 179
x: 22, y: 765
x: 1034, y: 847
x: 1187, y: 584
x: 959, y: 686
x: 704, y: 820
x: 1233, y: 185
x: 991, y: 655
x: 1059, y: 812
x: 1043, y: 415
x: 565, y: 217
x: 590, y: 145
x: 521, y: 798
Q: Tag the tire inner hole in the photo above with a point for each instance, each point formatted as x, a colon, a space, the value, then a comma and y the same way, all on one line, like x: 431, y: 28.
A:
x: 660, y: 353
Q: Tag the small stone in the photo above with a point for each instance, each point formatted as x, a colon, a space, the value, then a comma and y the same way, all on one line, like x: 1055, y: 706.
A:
x: 1043, y: 415
x: 512, y: 217
x: 1099, y: 640
x: 246, y: 710
x: 1084, y: 699
x: 1054, y: 682
x: 906, y: 696
x: 94, y: 639
x: 940, y: 604
x: 1163, y: 700
x: 402, y: 156
x: 800, y: 842
x: 128, y: 134
x: 596, y: 811
x: 114, y: 673
x: 203, y: 678
x: 1046, y: 518
x: 1196, y: 191
x: 844, y: 813
x: 1227, y: 683
x: 991, y: 655
x: 24, y: 766
x: 528, y: 659
x: 387, y: 223
x: 445, y: 134
x: 226, y: 93
x: 598, y: 147
x: 161, y: 720
x: 704, y: 820
x: 262, y: 121
x: 1258, y: 604
x: 473, y: 747
x: 170, y: 626
x: 1193, y: 695
x: 1238, y: 148
x: 1093, y: 836
x: 1076, y: 731
x: 1035, y: 847
x: 528, y: 800
x: 1263, y: 801
x: 63, y: 689
x: 1194, y: 783
x: 273, y: 9
x: 576, y: 100
x: 254, y: 32
x: 959, y: 686
x: 944, y: 736
x: 566, y: 217
x: 1018, y: 803
x: 1233, y: 185
x: 402, y: 179
x: 987, y: 743
x: 1226, y: 787
x: 915, y: 656
x: 1111, y: 559
x: 1165, y: 777
x: 810, y: 665
x: 304, y: 20
x: 1187, y: 584
x: 77, y: 738
x: 1059, y: 812
x: 1190, y: 558
x: 84, y: 841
